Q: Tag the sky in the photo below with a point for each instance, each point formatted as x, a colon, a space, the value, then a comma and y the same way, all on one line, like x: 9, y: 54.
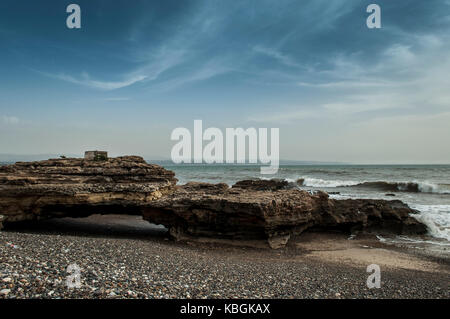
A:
x: 136, y: 70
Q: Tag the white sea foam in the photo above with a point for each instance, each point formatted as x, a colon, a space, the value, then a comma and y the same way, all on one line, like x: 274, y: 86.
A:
x: 418, y: 243
x: 411, y: 186
x: 425, y: 187
x: 317, y: 182
x: 436, y: 218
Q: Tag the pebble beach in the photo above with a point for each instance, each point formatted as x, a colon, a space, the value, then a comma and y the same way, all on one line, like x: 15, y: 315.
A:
x: 126, y: 257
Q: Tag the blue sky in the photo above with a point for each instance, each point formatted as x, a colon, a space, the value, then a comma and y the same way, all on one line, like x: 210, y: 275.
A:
x: 136, y: 70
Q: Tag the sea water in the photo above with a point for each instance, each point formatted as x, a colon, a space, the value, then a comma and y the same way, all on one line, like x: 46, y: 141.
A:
x: 425, y: 188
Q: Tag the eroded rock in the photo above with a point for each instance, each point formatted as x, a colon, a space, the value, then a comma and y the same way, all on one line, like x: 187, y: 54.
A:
x: 77, y: 187
x: 263, y: 185
x: 249, y: 210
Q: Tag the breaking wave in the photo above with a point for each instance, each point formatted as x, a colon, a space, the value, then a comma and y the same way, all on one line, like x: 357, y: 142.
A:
x: 436, y: 218
x: 317, y: 182
x: 413, y: 187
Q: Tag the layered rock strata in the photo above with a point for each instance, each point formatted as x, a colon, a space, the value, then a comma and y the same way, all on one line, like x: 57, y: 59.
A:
x: 78, y: 187
x: 271, y: 210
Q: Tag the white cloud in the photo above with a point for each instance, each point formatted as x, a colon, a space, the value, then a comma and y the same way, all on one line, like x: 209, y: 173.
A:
x: 209, y: 69
x: 154, y: 64
x: 404, y: 81
x: 283, y: 117
x: 283, y: 59
x: 400, y: 54
x: 165, y: 58
x: 9, y: 120
x: 86, y: 80
x: 349, y: 84
x: 113, y: 99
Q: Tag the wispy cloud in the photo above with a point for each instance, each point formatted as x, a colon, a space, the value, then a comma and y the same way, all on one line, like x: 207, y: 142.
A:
x: 406, y: 80
x: 349, y: 84
x: 86, y: 80
x: 288, y: 116
x: 154, y: 64
x: 278, y: 56
x: 206, y: 70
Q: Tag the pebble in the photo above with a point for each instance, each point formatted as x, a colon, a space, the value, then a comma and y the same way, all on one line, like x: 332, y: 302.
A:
x: 5, y: 291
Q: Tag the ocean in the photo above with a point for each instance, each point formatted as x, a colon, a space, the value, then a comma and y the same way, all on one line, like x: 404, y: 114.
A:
x: 425, y: 188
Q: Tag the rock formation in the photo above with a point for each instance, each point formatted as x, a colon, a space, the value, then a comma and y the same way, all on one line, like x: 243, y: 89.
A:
x: 251, y: 209
x: 78, y: 187
x: 265, y: 209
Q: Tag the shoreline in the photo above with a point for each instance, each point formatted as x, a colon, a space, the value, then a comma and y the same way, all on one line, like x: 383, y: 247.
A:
x: 126, y: 257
